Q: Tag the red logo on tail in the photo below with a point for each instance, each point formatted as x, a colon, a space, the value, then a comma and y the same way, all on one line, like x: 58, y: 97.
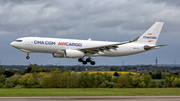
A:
x: 149, y: 34
x: 150, y: 40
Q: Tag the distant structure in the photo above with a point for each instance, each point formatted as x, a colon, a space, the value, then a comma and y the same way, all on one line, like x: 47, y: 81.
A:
x: 156, y: 61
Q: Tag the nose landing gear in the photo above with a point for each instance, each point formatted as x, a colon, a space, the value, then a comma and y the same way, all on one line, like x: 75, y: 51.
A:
x: 87, y: 60
x: 27, y: 57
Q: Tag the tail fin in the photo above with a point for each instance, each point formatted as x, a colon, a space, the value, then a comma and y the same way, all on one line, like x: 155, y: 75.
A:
x: 152, y: 34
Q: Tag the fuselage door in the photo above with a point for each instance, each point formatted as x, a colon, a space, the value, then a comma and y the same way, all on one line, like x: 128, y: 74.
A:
x: 28, y: 41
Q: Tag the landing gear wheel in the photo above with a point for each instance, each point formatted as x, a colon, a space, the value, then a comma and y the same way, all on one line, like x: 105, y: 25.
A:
x: 80, y: 59
x: 27, y: 57
x: 88, y: 59
x: 92, y: 62
x: 84, y: 62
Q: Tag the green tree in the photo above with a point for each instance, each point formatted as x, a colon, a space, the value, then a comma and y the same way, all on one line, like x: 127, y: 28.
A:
x: 15, y: 79
x: 147, y: 79
x: 96, y: 79
x: 108, y: 77
x: 169, y: 80
x: 115, y: 79
x: 176, y: 82
x: 161, y: 84
x: 45, y: 81
x: 27, y: 80
x: 123, y: 82
x: 35, y: 68
x: 56, y: 79
x: 100, y: 78
x: 153, y: 84
x: 2, y: 80
x: 8, y: 84
x: 116, y: 74
x: 138, y: 81
x: 107, y: 84
x: 2, y: 71
x: 65, y: 80
x: 84, y: 80
x: 73, y: 81
x: 8, y: 73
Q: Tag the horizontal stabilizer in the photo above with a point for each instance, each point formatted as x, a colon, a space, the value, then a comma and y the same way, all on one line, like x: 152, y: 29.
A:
x: 146, y: 47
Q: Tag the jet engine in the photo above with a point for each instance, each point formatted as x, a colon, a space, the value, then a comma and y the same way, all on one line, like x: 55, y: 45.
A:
x: 74, y: 53
x: 58, y: 55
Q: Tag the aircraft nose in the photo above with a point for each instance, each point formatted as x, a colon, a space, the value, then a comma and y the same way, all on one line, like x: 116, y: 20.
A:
x: 13, y: 44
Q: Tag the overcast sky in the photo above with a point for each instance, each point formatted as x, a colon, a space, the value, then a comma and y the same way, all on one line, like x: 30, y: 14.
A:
x: 112, y: 20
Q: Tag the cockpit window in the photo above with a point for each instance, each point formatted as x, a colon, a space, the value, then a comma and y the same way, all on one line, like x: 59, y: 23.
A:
x: 18, y: 40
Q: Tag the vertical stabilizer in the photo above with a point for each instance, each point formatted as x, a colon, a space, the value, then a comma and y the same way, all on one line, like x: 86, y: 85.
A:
x: 152, y: 34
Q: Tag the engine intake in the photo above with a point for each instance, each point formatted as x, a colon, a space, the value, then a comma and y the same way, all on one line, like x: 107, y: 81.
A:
x: 74, y: 53
x: 57, y: 55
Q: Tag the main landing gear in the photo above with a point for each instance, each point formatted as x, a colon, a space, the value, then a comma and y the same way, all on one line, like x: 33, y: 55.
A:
x: 27, y: 57
x: 87, y: 60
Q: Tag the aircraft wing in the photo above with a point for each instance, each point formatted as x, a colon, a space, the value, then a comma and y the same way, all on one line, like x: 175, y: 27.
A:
x: 94, y: 50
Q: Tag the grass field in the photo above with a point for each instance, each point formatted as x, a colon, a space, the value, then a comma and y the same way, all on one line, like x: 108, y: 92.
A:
x: 91, y: 92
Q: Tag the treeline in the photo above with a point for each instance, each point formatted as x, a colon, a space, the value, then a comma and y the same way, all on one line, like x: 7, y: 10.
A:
x: 36, y: 77
x: 30, y: 69
x: 142, y: 68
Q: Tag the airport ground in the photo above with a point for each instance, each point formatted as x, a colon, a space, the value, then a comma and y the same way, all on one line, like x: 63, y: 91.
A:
x: 94, y: 98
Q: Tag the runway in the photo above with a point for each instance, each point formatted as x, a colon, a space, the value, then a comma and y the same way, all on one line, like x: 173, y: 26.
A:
x: 94, y: 98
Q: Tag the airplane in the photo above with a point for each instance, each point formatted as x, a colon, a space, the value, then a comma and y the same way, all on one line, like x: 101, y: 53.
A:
x: 73, y: 48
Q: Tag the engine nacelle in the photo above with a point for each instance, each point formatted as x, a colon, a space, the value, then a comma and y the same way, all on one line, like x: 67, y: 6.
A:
x: 58, y: 55
x: 74, y: 53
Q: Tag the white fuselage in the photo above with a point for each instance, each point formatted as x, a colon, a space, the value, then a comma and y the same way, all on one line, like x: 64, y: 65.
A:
x: 71, y: 48
x: 58, y: 46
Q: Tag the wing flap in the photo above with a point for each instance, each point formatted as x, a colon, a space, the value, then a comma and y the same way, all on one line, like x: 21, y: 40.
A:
x: 96, y: 50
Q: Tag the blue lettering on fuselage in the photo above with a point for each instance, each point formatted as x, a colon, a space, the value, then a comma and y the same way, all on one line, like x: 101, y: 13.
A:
x: 54, y: 43
x: 73, y: 44
x: 44, y: 42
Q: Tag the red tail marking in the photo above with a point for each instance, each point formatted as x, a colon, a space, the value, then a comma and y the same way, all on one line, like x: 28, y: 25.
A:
x: 150, y: 40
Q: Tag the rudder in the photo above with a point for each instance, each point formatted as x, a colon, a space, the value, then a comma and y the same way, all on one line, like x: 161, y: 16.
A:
x: 152, y: 34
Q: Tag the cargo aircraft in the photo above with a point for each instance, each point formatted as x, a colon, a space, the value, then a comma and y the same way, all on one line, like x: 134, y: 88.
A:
x: 71, y: 48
